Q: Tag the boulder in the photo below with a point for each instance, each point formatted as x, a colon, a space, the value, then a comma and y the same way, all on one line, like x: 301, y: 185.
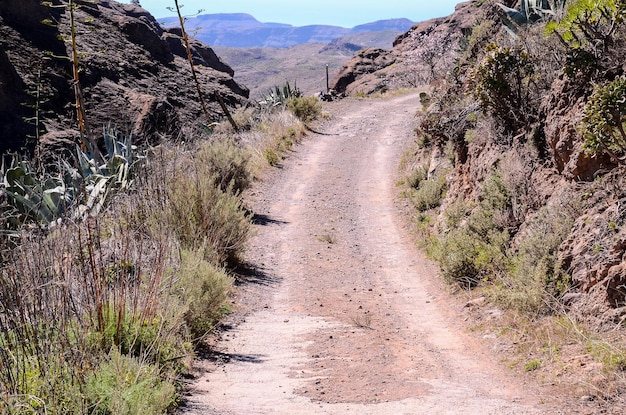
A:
x: 365, y: 62
x: 562, y: 112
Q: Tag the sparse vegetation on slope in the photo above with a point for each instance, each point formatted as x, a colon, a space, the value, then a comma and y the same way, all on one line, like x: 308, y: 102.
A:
x: 534, y: 145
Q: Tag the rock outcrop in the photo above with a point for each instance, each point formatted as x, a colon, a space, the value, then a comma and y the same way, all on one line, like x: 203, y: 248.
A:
x: 428, y: 47
x: 135, y: 75
x: 351, y: 76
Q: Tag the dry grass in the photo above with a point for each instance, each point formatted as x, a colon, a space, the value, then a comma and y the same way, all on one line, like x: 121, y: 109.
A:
x: 561, y: 351
x: 363, y: 321
x: 85, y: 305
x: 272, y: 138
x: 117, y: 302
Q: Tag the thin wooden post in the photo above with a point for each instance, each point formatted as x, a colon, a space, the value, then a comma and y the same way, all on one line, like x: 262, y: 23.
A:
x: 327, y: 85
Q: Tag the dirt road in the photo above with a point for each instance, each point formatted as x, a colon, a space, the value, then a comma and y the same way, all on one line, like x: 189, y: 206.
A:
x: 345, y: 315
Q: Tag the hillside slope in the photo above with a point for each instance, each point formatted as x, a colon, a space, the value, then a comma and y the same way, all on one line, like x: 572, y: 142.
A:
x: 134, y: 74
x: 548, y: 143
x: 240, y: 30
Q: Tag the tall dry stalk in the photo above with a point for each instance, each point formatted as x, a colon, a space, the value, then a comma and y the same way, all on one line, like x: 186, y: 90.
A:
x: 83, y: 126
x: 217, y: 95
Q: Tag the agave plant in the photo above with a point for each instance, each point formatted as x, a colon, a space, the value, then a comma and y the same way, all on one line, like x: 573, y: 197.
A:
x: 531, y: 11
x: 278, y: 96
x: 114, y: 173
x: 45, y: 198
x: 35, y: 198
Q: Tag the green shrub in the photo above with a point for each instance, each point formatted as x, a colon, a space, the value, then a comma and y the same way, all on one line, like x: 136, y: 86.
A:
x: 228, y: 163
x: 204, y: 289
x: 271, y: 156
x: 424, y: 140
x: 476, y: 250
x: 125, y: 385
x: 204, y: 217
x: 504, y: 84
x: 46, y: 385
x: 604, y: 119
x: 305, y: 108
x: 155, y: 340
x: 612, y: 358
x: 456, y: 213
x: 535, y: 278
x: 533, y: 364
x: 429, y: 193
x: 456, y: 252
x: 417, y: 176
x: 425, y: 100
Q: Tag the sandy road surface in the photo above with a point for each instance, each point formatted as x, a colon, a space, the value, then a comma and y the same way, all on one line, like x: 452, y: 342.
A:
x: 345, y: 315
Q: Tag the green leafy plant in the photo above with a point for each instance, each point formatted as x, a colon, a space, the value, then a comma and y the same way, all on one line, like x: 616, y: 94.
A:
x: 504, y: 84
x: 305, y: 108
x: 604, y: 120
x: 589, y: 30
x: 278, y: 96
x: 589, y: 21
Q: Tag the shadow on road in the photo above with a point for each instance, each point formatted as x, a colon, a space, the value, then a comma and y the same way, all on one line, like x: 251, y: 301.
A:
x: 248, y: 273
x: 264, y: 220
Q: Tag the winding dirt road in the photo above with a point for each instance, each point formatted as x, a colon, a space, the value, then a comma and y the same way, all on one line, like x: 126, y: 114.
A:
x: 344, y: 314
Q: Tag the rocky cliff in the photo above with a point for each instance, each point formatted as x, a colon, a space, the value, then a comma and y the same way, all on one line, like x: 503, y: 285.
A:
x: 134, y: 74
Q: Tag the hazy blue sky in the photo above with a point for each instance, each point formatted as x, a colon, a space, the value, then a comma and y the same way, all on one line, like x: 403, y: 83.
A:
x: 346, y: 13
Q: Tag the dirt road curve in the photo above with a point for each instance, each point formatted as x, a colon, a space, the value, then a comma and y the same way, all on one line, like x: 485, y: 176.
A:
x: 346, y: 316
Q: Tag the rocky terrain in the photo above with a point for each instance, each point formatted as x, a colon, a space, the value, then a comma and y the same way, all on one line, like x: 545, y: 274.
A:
x: 134, y: 74
x: 515, y: 195
x: 423, y: 53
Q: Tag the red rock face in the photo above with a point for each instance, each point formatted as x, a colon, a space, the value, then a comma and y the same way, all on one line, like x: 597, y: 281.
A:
x: 134, y: 75
x: 562, y: 114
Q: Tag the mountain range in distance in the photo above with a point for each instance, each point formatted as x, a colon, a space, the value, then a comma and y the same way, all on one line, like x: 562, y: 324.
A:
x: 242, y: 30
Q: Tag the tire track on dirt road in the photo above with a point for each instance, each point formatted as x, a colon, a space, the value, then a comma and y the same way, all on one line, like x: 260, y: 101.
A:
x: 351, y: 318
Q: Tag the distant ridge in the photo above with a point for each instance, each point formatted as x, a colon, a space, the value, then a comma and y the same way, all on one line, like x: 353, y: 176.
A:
x: 244, y: 30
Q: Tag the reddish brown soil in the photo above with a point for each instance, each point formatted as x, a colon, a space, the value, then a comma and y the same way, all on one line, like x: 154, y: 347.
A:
x: 343, y: 314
